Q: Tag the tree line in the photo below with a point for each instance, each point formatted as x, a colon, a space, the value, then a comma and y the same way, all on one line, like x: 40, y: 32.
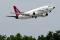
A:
x: 50, y: 36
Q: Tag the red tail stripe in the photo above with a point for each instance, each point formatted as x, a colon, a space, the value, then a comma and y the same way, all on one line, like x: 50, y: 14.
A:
x: 17, y: 12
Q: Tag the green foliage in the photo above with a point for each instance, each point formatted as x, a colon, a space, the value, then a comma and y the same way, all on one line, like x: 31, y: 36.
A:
x: 41, y: 37
x: 56, y: 35
x: 49, y: 36
x: 12, y: 37
x: 18, y: 36
x: 2, y: 37
x: 28, y: 38
x: 8, y: 38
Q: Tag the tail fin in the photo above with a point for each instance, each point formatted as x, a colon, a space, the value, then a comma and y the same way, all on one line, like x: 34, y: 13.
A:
x: 17, y: 12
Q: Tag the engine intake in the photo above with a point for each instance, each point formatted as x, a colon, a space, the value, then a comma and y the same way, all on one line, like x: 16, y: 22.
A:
x: 46, y: 14
x: 33, y: 13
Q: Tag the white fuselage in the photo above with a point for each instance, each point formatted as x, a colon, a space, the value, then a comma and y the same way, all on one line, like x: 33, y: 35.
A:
x: 38, y: 12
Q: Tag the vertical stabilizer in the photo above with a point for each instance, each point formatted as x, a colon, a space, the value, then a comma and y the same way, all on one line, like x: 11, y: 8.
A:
x: 17, y: 12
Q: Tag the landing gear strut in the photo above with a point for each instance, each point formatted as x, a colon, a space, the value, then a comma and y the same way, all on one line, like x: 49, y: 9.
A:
x: 16, y: 17
x: 34, y: 17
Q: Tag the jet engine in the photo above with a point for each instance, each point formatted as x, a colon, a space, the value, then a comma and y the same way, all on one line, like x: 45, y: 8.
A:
x: 44, y: 14
x: 34, y: 15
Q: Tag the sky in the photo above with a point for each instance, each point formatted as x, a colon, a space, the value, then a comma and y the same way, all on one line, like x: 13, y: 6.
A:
x: 34, y: 27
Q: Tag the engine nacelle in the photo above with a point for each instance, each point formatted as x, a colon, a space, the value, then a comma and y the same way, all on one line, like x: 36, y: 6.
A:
x: 44, y: 14
x: 33, y: 13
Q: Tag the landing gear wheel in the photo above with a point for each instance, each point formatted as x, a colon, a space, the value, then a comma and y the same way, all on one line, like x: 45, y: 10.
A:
x: 35, y: 17
x: 32, y: 16
x: 50, y: 11
x: 16, y: 17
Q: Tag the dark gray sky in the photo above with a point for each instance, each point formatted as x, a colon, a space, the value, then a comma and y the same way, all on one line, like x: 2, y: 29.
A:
x: 34, y: 27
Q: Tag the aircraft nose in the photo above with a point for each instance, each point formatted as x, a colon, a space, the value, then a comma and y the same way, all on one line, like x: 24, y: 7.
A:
x: 53, y: 7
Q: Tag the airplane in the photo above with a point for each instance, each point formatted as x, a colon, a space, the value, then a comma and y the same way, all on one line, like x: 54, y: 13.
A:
x: 38, y: 12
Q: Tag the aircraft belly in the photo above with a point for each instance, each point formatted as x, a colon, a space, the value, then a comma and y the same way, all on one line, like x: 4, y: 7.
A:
x: 24, y: 17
